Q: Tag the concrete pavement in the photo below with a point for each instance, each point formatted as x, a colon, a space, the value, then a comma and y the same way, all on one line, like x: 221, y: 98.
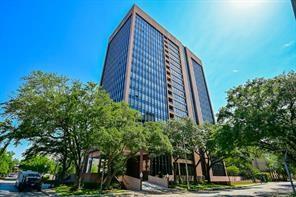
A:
x: 266, y: 189
x: 7, y: 188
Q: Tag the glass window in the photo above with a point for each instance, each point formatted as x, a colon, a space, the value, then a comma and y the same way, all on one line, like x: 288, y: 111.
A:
x: 115, y: 63
x: 148, y: 72
x: 204, y: 99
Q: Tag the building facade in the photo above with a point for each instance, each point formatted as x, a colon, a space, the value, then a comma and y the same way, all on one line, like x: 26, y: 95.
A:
x: 294, y: 7
x: 156, y: 74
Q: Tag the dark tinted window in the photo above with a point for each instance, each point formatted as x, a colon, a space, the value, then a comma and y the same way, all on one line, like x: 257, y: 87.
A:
x: 204, y: 99
x: 115, y: 63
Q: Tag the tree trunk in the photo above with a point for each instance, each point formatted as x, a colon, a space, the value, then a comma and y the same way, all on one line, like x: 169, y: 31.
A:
x: 65, y: 167
x: 109, y: 179
x: 288, y: 172
x: 175, y: 169
x: 63, y: 172
x: 78, y: 178
x: 208, y: 176
x: 186, y: 168
x: 179, y: 174
x: 206, y: 165
x: 80, y: 170
x: 195, y: 175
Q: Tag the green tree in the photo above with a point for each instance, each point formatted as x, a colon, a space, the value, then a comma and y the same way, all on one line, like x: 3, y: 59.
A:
x: 7, y: 163
x: 123, y: 136
x: 157, y: 142
x: 243, y: 161
x: 67, y: 119
x: 183, y: 137
x: 262, y: 113
x: 275, y: 164
x: 232, y: 171
x: 208, y: 147
x: 120, y: 138
x: 41, y: 164
x: 58, y: 116
x: 38, y: 110
x: 187, y: 137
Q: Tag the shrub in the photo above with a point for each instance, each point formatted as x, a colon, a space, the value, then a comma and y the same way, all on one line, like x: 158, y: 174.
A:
x: 263, y: 176
x: 91, y: 185
x: 232, y: 170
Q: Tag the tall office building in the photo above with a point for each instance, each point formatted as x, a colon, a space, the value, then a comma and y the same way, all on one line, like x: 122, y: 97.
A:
x: 153, y: 72
x: 294, y: 6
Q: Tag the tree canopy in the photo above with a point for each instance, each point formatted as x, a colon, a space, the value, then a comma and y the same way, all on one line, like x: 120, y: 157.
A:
x: 67, y: 119
x: 7, y: 163
x: 262, y: 112
x: 41, y: 164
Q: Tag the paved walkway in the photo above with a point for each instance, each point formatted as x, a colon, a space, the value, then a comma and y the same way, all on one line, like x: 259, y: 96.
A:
x: 7, y: 188
x: 266, y: 189
x: 150, y: 188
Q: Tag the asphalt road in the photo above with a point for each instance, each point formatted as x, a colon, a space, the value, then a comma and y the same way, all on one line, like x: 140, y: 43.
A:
x: 7, y: 188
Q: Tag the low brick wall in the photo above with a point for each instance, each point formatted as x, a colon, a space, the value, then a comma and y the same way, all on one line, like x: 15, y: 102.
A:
x: 158, y: 181
x: 221, y: 179
x: 235, y: 178
x: 91, y: 177
x: 227, y: 179
x: 131, y: 183
x: 183, y: 177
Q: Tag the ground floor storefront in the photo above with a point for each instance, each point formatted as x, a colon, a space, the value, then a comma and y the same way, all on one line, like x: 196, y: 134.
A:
x: 159, y: 169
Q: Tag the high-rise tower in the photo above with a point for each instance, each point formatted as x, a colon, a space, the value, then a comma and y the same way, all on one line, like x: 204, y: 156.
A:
x: 151, y: 70
x: 155, y: 73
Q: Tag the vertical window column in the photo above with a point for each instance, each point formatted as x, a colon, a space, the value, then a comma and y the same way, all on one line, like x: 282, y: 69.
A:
x: 169, y: 79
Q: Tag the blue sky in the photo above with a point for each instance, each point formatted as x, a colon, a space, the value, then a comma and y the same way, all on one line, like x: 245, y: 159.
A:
x: 236, y: 40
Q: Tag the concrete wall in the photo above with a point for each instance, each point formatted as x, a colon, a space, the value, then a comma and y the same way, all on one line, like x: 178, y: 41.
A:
x: 158, y: 181
x: 91, y: 177
x: 227, y: 179
x: 131, y: 183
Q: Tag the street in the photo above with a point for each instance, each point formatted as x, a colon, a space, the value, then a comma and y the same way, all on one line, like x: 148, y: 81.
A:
x: 7, y: 188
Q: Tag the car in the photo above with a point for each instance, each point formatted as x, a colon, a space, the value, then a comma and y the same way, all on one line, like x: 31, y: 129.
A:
x: 28, y: 180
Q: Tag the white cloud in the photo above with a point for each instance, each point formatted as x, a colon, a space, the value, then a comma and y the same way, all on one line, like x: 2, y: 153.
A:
x: 288, y: 44
x: 235, y: 71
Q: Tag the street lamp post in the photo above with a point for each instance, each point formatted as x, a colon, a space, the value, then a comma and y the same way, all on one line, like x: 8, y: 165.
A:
x: 141, y: 179
x: 167, y: 178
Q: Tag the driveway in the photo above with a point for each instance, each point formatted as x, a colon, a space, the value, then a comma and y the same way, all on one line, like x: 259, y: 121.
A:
x: 266, y: 189
x: 7, y: 188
